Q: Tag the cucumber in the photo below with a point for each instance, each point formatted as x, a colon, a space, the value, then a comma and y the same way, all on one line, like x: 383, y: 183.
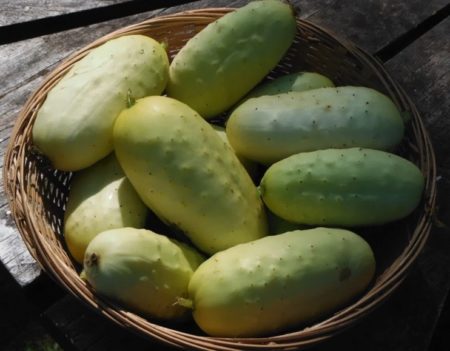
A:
x: 250, y: 166
x: 342, y: 187
x: 230, y: 56
x: 267, y: 129
x: 279, y: 282
x: 144, y: 271
x: 299, y: 81
x: 73, y: 127
x: 100, y: 198
x: 187, y: 174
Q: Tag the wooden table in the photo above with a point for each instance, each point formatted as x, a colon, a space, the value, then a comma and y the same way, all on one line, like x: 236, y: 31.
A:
x: 411, y: 38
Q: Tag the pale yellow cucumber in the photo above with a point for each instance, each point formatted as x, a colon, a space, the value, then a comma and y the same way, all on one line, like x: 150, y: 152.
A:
x: 279, y: 282
x: 187, y: 174
x: 250, y: 166
x: 73, y: 127
x: 144, y: 271
x: 100, y: 198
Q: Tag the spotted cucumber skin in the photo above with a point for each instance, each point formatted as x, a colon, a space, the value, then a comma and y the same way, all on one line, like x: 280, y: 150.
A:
x: 342, y: 187
x: 225, y: 60
x: 100, y: 198
x: 187, y: 174
x: 299, y: 81
x: 267, y: 129
x: 145, y: 271
x: 73, y: 128
x: 279, y: 281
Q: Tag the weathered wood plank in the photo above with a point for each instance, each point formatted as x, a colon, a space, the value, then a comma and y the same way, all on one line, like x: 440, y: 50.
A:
x: 27, y: 60
x: 423, y: 69
x: 82, y: 17
x: 28, y: 10
x: 14, y: 254
x: 372, y: 24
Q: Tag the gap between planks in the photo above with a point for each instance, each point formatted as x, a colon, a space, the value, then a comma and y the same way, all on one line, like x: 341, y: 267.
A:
x: 35, y: 28
x: 404, y: 40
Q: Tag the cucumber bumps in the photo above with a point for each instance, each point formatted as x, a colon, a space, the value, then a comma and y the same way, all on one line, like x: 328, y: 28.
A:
x: 224, y: 61
x: 267, y: 129
x: 279, y: 281
x: 73, y: 128
x: 342, y: 187
x: 187, y: 174
x: 143, y: 270
x: 100, y: 198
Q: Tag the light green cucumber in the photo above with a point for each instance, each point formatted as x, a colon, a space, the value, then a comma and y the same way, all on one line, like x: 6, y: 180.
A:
x: 100, y: 198
x: 226, y: 59
x: 279, y: 282
x: 342, y: 187
x: 300, y: 81
x: 250, y: 166
x: 73, y: 128
x: 269, y: 128
x: 144, y: 271
x: 187, y: 174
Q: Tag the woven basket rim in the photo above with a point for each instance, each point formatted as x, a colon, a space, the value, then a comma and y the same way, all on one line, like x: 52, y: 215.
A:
x: 13, y: 177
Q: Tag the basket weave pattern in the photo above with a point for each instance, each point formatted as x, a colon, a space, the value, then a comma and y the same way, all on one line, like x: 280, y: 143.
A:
x: 37, y: 193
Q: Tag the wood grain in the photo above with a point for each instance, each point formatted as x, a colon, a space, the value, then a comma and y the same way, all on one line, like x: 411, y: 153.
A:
x: 423, y: 69
x: 372, y: 24
x: 28, y: 10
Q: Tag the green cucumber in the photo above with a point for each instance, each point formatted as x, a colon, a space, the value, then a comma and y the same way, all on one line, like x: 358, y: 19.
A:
x: 267, y: 129
x: 299, y: 81
x: 342, y: 187
x: 230, y: 56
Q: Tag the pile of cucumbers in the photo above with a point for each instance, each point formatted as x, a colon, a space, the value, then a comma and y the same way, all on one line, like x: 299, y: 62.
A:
x: 265, y: 202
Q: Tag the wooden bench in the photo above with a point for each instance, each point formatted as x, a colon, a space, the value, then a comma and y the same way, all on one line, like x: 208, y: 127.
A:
x: 411, y: 38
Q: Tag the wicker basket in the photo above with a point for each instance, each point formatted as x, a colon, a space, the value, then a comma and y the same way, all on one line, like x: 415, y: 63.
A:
x: 37, y: 193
